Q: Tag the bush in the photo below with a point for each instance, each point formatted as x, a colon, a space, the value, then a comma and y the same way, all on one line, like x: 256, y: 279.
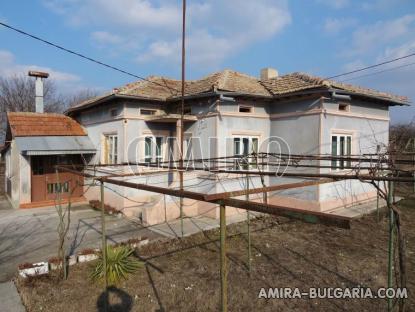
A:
x: 119, y: 264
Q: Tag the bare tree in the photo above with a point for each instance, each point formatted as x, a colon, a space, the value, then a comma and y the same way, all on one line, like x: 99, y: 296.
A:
x: 400, y: 135
x: 79, y: 97
x: 17, y: 94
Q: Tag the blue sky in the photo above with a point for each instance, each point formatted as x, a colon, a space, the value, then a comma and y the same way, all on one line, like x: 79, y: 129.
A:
x: 320, y: 37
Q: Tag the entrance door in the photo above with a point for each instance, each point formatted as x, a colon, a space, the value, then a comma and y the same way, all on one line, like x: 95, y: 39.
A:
x: 46, y: 184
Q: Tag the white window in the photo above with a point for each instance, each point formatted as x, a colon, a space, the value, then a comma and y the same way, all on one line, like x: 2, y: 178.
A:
x: 153, y: 148
x: 148, y: 149
x: 159, y: 149
x: 243, y: 146
x: 111, y: 149
x: 341, y: 145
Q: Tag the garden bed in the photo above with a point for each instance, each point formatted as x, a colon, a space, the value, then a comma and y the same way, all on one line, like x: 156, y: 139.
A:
x: 184, y: 275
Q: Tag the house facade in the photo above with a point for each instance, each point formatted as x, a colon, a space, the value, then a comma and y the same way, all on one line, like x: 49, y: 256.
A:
x: 229, y: 113
x: 35, y: 143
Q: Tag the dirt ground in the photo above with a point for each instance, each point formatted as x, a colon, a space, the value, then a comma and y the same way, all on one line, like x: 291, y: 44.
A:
x: 184, y: 275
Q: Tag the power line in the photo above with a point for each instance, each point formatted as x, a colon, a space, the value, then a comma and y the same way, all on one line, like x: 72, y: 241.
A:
x: 379, y: 72
x: 372, y: 66
x: 83, y: 56
x: 22, y: 32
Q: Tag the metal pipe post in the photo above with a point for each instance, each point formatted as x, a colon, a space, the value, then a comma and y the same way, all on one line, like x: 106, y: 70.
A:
x: 390, y: 245
x: 104, y: 236
x: 223, y: 273
x: 377, y: 202
x: 248, y: 224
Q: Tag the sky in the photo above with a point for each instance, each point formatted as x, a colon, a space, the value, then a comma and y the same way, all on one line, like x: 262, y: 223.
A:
x: 319, y: 37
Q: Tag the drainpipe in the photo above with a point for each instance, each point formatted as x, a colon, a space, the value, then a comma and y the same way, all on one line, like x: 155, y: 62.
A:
x: 39, y: 89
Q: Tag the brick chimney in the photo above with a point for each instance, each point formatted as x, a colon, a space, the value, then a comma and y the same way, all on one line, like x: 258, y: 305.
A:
x: 39, y: 89
x: 268, y: 73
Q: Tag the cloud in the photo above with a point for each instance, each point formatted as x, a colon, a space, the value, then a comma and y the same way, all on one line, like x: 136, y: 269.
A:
x: 103, y: 37
x: 397, y: 77
x: 216, y: 29
x: 356, y: 64
x: 124, y: 13
x: 371, y: 37
x: 399, y: 51
x: 335, y: 4
x: 8, y: 67
x: 333, y: 26
x: 381, y: 5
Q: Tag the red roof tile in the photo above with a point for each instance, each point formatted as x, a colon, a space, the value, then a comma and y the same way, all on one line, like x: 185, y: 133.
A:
x: 38, y: 124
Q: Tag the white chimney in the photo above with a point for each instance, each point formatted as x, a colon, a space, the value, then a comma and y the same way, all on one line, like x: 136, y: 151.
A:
x: 268, y: 73
x: 39, y: 88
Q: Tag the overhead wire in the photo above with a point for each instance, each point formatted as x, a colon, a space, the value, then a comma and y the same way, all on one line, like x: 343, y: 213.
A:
x: 22, y: 32
x: 123, y: 71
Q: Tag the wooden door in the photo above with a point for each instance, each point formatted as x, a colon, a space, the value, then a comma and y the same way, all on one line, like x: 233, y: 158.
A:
x: 46, y: 184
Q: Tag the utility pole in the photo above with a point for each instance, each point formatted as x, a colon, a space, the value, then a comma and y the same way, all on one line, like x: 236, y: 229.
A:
x: 182, y: 112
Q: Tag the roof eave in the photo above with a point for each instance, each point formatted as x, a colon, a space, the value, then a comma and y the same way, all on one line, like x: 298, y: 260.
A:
x: 108, y: 98
x: 390, y: 101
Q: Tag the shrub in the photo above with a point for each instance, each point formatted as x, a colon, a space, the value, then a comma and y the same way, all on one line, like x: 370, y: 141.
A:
x: 119, y: 264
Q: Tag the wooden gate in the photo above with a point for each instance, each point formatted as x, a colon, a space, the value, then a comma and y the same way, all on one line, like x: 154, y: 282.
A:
x: 46, y: 184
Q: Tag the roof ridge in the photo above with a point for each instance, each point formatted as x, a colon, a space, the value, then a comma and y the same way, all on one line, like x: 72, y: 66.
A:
x: 223, y: 78
x: 36, y: 113
x: 242, y: 74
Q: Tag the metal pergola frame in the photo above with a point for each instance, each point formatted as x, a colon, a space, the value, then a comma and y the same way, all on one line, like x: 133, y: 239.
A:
x: 374, y: 165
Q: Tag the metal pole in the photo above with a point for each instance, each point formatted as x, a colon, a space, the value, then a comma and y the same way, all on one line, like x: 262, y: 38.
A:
x: 413, y: 164
x: 223, y: 273
x: 182, y: 111
x: 377, y: 202
x: 104, y: 237
x: 265, y: 195
x: 248, y: 221
x: 390, y: 246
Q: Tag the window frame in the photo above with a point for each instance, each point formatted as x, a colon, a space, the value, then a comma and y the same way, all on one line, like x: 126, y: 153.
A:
x: 343, y: 148
x: 249, y: 107
x: 346, y: 107
x: 111, y: 149
x: 156, y: 153
x: 242, y: 150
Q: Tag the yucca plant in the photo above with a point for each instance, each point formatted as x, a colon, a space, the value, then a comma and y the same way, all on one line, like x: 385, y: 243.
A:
x: 119, y: 264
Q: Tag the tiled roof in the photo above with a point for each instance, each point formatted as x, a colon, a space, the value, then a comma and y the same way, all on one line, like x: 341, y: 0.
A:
x: 164, y: 88
x: 299, y: 81
x: 160, y: 88
x: 37, y: 124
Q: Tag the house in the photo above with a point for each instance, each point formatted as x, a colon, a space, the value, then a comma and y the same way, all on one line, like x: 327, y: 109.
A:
x: 230, y: 113
x: 35, y: 143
